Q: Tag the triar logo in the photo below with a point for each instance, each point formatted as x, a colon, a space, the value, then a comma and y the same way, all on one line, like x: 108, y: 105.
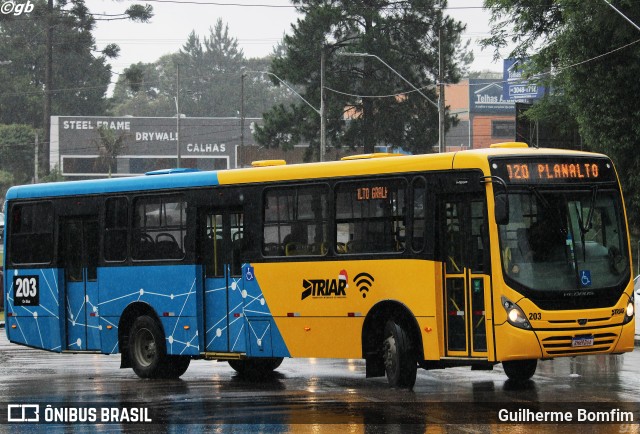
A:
x: 326, y: 288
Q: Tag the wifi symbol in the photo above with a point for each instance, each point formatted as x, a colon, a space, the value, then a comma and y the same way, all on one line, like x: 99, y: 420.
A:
x: 364, y: 281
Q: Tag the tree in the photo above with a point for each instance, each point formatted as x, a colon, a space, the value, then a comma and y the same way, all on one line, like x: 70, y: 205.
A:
x: 17, y: 147
x: 110, y: 145
x: 210, y: 80
x: 55, y: 67
x: 588, y: 54
x: 144, y: 89
x: 407, y: 35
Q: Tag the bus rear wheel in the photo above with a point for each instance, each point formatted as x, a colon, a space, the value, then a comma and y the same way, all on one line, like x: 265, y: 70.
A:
x: 256, y: 367
x: 399, y: 357
x: 148, y: 354
x: 520, y: 370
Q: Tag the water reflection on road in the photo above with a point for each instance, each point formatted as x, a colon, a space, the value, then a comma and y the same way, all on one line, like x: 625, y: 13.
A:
x: 315, y: 395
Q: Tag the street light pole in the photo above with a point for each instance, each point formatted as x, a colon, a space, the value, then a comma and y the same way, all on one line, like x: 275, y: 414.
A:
x: 441, y: 147
x: 437, y: 105
x: 244, y: 74
x: 320, y: 111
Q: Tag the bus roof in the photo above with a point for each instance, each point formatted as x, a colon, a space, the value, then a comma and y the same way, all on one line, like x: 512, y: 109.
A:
x: 170, y: 179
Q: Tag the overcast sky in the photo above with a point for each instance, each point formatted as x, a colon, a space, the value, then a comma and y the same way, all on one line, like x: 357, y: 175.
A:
x: 257, y: 24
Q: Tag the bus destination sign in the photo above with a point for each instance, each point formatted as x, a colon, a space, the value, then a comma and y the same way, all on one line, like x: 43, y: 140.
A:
x: 550, y: 170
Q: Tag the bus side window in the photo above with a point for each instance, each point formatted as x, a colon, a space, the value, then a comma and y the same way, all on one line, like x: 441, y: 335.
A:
x: 212, y: 247
x: 419, y: 214
x: 237, y: 243
x: 31, y: 233
x: 116, y: 228
x: 295, y: 221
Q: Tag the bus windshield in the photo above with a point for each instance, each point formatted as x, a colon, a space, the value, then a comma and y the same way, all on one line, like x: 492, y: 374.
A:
x: 564, y: 240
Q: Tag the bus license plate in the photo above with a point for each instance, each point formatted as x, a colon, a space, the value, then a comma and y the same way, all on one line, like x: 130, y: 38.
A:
x: 582, y: 341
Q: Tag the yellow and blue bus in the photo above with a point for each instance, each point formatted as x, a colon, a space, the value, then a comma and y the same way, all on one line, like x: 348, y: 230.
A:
x: 504, y: 255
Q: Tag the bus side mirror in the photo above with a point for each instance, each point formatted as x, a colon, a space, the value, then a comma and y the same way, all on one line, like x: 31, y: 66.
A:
x: 502, y: 209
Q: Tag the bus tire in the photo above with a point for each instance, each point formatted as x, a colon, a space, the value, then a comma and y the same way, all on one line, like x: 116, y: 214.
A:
x: 520, y: 370
x: 147, y: 350
x: 256, y: 367
x: 175, y: 366
x: 399, y: 357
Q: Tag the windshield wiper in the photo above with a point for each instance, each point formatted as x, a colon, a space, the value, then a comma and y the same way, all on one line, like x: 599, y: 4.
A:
x: 586, y: 226
x: 553, y: 211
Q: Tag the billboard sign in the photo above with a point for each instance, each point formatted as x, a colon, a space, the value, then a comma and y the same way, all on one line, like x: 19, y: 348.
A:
x: 515, y: 87
x: 485, y: 96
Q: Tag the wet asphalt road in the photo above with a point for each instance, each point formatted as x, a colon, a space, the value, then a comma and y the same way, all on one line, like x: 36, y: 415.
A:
x: 318, y: 395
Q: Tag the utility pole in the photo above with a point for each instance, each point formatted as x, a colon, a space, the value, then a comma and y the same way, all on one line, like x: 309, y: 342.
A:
x: 441, y: 114
x: 177, y: 116
x: 323, y: 125
x: 48, y: 84
x: 35, y: 169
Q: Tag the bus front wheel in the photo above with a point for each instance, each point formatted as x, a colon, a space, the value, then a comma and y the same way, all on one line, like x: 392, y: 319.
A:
x: 520, y: 370
x: 399, y: 356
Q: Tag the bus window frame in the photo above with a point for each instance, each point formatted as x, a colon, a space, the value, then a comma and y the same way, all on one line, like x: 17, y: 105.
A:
x: 10, y: 234
x: 326, y: 189
x: 411, y: 205
x: 182, y: 228
x: 400, y: 178
x: 128, y: 228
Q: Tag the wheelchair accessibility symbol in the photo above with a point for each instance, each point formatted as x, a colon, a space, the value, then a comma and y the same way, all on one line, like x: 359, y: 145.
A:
x: 585, y: 278
x: 249, y: 275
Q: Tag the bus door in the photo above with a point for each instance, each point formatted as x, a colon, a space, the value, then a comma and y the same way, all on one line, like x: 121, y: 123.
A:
x: 79, y: 251
x: 220, y: 251
x: 464, y: 245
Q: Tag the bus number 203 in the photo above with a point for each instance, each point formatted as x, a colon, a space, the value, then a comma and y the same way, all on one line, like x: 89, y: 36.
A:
x: 26, y: 290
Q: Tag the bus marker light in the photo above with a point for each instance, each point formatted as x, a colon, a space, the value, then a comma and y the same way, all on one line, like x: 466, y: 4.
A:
x: 293, y: 314
x: 109, y: 327
x: 168, y: 314
x: 237, y: 315
x: 186, y: 327
x: 13, y: 326
x: 353, y: 314
x: 428, y: 329
x: 307, y: 329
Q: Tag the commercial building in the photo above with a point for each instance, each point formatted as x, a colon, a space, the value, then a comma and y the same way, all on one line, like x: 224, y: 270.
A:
x: 148, y: 143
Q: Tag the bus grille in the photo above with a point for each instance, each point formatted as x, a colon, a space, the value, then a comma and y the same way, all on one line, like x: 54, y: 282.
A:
x: 561, y: 345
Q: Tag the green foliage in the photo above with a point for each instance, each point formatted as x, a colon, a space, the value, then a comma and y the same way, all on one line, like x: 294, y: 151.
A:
x: 405, y: 35
x: 109, y: 147
x: 17, y: 148
x: 210, y: 80
x: 80, y: 73
x: 590, y: 57
x: 55, y: 175
x: 80, y: 78
x: 6, y: 182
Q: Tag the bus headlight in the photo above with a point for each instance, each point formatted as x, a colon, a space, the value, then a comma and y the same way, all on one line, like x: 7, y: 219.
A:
x: 515, y: 315
x: 629, y: 311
